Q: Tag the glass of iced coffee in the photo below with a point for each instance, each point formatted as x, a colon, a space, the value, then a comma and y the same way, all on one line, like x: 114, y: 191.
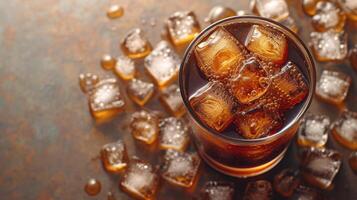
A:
x: 246, y: 82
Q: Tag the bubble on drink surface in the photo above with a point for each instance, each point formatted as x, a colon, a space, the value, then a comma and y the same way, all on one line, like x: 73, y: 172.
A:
x: 329, y: 45
x: 180, y: 168
x: 258, y: 123
x: 144, y: 126
x: 140, y: 180
x: 93, y: 187
x: 345, y: 129
x: 273, y: 9
x: 352, y: 160
x: 219, y: 54
x: 213, y: 105
x: 328, y: 16
x: 313, y: 130
x: 162, y: 64
x: 87, y: 82
x: 115, y: 11
x: 182, y: 27
x: 217, y: 190
x: 268, y: 44
x: 286, y: 181
x: 174, y: 134
x: 114, y: 156
x: 140, y: 91
x: 107, y: 62
x: 333, y: 86
x: 125, y: 68
x: 135, y: 44
x: 251, y: 81
x: 218, y: 13
x: 260, y: 189
x: 320, y: 166
x: 105, y: 99
x: 172, y: 100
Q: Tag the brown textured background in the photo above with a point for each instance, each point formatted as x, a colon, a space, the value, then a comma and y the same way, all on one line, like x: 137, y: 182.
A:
x: 48, y: 141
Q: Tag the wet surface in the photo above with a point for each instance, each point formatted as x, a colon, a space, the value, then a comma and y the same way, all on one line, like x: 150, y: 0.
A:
x: 49, y: 143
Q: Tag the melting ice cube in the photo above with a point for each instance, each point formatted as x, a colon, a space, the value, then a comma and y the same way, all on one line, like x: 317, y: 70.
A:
x: 125, y: 68
x: 88, y: 81
x: 328, y: 16
x: 114, y: 156
x: 313, y: 130
x: 135, y: 44
x: 286, y: 181
x: 140, y: 91
x: 217, y: 190
x: 345, y: 129
x: 260, y: 189
x: 173, y: 134
x: 172, y: 100
x: 144, y: 126
x: 306, y: 193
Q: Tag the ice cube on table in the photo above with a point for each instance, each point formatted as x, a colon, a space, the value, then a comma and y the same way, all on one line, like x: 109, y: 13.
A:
x: 125, y: 68
x: 290, y: 24
x: 171, y: 99
x: 286, y: 181
x: 217, y: 190
x: 219, y: 54
x: 219, y: 12
x: 328, y: 16
x: 258, y: 123
x: 320, y: 166
x: 182, y: 27
x: 345, y: 129
x: 309, y: 6
x: 306, y: 193
x: 140, y: 180
x: 329, y: 45
x: 313, y: 130
x: 268, y: 44
x: 350, y: 8
x: 105, y: 100
x: 353, y: 57
x: 352, y: 160
x: 213, y: 105
x: 144, y: 126
x: 174, y: 134
x: 87, y: 81
x: 273, y: 9
x: 180, y: 168
x: 114, y: 156
x: 333, y: 86
x: 140, y: 91
x: 260, y: 189
x: 135, y: 44
x: 250, y: 82
x: 162, y: 64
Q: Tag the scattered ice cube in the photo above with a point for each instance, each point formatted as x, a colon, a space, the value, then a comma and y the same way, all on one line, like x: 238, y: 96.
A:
x: 286, y: 181
x: 114, y: 156
x: 320, y: 166
x: 105, y: 99
x: 88, y: 81
x: 313, y: 130
x: 251, y: 81
x: 172, y: 100
x: 140, y: 180
x: 219, y: 54
x: 273, y: 9
x: 219, y: 12
x: 144, y: 126
x: 115, y: 11
x: 107, y: 62
x: 290, y: 24
x: 269, y: 44
x: 135, y: 44
x: 306, y: 193
x: 182, y: 27
x: 333, y: 86
x: 180, y: 168
x: 329, y: 45
x: 260, y: 189
x: 140, y: 91
x: 353, y: 57
x: 173, y: 134
x: 217, y: 190
x: 257, y: 123
x: 350, y: 7
x: 352, y: 160
x: 162, y: 64
x: 309, y: 6
x: 345, y: 129
x: 328, y: 16
x: 213, y: 105
x: 125, y: 68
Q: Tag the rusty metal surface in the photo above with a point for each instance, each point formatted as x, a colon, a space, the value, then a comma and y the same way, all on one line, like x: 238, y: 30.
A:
x: 49, y: 143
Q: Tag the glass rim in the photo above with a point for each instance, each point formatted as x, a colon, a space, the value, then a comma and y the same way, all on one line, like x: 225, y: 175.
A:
x: 310, y: 65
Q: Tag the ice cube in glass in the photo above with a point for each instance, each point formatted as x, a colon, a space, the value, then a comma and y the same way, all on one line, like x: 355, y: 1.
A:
x: 162, y: 64
x: 125, y: 68
x: 87, y: 81
x: 174, y: 134
x: 345, y: 129
x: 333, y: 86
x: 217, y: 190
x: 144, y: 126
x: 260, y: 189
x: 213, y: 105
x: 114, y: 156
x: 135, y: 44
x: 273, y: 9
x: 286, y: 181
x: 313, y: 130
x: 171, y: 99
x: 140, y: 91
x: 328, y: 16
